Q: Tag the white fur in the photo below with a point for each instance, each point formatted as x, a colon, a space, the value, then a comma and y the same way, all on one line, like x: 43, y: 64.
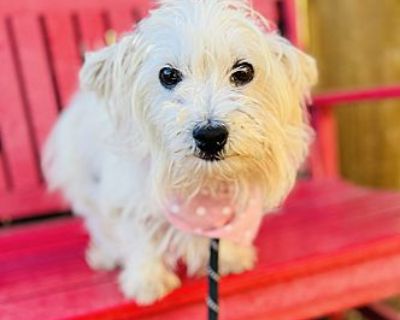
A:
x: 125, y: 143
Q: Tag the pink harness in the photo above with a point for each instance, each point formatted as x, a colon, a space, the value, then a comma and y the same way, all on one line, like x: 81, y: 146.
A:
x: 217, y: 217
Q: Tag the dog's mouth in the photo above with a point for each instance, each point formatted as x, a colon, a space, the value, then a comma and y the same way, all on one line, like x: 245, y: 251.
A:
x: 210, y: 157
x: 216, y: 157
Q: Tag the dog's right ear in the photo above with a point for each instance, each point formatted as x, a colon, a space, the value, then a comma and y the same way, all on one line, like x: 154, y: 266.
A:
x: 111, y: 67
x: 96, y: 71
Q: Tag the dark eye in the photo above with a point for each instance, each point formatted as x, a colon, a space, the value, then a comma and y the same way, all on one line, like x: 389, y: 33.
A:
x: 243, y: 73
x: 170, y: 77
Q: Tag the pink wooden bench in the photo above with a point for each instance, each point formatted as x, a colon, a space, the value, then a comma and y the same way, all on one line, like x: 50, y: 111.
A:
x: 332, y: 246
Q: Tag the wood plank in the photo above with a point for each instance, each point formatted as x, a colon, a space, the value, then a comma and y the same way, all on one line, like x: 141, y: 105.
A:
x: 121, y: 21
x: 141, y: 9
x: 14, y: 126
x: 281, y: 236
x: 339, y: 97
x: 30, y: 202
x: 302, y: 298
x: 290, y: 16
x: 314, y: 163
x: 92, y: 30
x: 55, y: 229
x: 352, y: 248
x: 3, y: 178
x: 268, y: 8
x: 37, y: 77
x: 40, y: 6
x: 326, y: 141
x: 327, y: 193
x: 282, y: 283
x: 65, y: 53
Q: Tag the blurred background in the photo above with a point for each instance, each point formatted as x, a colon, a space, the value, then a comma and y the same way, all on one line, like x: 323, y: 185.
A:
x: 357, y: 45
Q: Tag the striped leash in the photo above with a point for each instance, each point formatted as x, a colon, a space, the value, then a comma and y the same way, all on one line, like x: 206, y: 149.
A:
x: 213, y: 279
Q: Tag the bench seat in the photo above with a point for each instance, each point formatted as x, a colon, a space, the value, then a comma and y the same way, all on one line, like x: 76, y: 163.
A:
x: 333, y: 245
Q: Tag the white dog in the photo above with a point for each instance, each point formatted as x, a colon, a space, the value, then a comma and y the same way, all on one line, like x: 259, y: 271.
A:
x: 200, y: 97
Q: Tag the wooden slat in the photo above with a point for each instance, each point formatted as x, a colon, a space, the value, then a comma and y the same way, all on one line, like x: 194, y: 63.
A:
x: 268, y: 8
x: 140, y: 9
x: 121, y: 21
x: 347, y: 256
x: 3, y: 181
x: 15, y: 132
x: 326, y: 141
x: 40, y: 6
x: 305, y: 297
x: 73, y: 227
x: 65, y: 53
x: 314, y: 163
x: 290, y: 12
x: 36, y: 75
x: 92, y: 28
x: 27, y: 203
x: 298, y: 298
x: 326, y: 99
x: 295, y: 264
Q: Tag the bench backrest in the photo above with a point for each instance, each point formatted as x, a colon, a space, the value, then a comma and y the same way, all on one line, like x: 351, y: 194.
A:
x: 41, y: 47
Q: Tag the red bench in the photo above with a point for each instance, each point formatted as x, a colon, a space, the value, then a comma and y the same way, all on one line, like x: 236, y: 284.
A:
x: 332, y: 246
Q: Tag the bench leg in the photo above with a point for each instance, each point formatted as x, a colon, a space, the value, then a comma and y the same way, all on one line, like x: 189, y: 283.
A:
x: 379, y: 311
x: 334, y: 316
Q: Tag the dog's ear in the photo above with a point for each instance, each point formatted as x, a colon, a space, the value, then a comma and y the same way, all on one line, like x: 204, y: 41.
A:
x: 300, y: 67
x: 96, y: 71
x: 110, y: 68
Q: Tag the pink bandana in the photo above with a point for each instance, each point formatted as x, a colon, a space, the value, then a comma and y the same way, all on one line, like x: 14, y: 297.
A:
x: 217, y: 217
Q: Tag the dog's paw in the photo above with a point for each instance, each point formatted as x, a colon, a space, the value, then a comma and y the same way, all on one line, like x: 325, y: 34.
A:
x: 98, y: 260
x: 148, y: 284
x: 236, y: 259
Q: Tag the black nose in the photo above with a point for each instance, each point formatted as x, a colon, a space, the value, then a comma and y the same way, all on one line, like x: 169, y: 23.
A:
x: 210, y: 138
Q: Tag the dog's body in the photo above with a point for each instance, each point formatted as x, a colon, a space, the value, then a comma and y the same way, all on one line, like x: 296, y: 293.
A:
x: 144, y: 127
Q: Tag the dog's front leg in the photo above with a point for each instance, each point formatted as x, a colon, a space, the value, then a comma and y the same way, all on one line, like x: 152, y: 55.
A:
x: 144, y: 276
x: 236, y: 258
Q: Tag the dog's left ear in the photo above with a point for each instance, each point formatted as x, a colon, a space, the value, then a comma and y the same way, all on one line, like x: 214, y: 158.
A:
x: 111, y: 67
x: 300, y: 67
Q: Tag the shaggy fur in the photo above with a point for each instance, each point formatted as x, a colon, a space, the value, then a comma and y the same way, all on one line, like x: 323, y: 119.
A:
x: 125, y: 143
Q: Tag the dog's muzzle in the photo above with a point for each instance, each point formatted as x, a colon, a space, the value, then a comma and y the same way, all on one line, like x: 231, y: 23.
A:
x: 210, y: 140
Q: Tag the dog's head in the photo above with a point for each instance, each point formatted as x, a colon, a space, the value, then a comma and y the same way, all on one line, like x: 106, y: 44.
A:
x: 209, y: 95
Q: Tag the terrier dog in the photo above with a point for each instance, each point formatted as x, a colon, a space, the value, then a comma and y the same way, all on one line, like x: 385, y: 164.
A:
x: 201, y: 99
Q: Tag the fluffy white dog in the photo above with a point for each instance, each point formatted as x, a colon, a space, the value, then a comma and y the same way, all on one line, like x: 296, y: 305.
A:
x: 200, y: 97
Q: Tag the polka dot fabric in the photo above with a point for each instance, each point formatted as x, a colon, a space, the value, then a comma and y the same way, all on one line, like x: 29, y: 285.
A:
x: 217, y: 217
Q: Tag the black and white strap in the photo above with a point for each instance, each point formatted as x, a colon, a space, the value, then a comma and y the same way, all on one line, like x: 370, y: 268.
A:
x: 213, y: 279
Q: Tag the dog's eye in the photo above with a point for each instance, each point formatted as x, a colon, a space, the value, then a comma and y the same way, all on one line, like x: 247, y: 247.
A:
x: 243, y: 73
x: 170, y: 77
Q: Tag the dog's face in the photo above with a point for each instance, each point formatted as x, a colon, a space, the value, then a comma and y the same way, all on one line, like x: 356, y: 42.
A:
x: 213, y: 97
